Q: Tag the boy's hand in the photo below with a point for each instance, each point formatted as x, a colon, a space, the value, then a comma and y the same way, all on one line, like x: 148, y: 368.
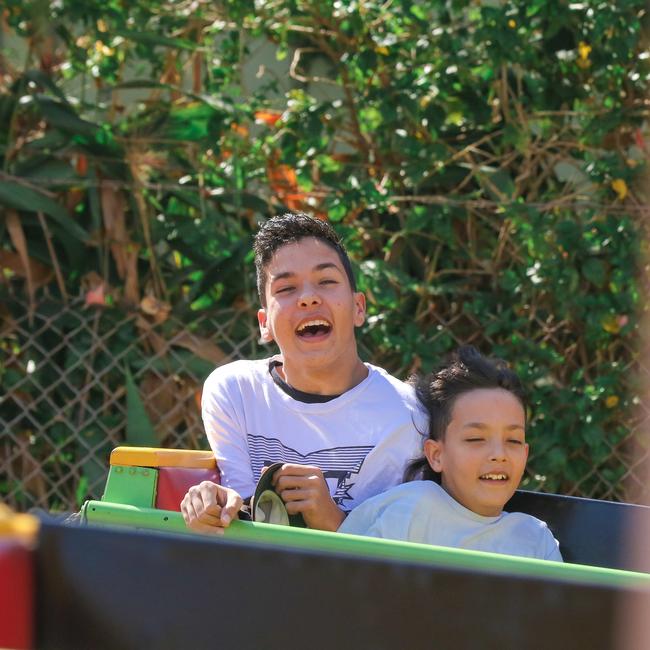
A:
x: 304, y: 490
x: 209, y: 508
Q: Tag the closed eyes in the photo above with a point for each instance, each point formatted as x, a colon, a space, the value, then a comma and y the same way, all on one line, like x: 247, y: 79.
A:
x: 323, y: 282
x: 513, y: 441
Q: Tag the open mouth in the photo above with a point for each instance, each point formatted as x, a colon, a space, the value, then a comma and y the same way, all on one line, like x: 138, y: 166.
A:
x: 313, y: 328
x: 496, y: 477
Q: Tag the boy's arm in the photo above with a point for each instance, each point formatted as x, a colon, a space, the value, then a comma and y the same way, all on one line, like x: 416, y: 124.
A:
x: 304, y: 490
x: 209, y: 507
x: 551, y: 547
x: 222, y: 407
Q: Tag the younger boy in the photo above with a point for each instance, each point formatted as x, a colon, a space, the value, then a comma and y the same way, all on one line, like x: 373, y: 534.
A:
x: 474, y: 457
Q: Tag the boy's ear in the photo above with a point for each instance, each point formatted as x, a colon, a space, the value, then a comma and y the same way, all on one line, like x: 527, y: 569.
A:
x: 265, y: 332
x: 359, y: 308
x: 433, y: 453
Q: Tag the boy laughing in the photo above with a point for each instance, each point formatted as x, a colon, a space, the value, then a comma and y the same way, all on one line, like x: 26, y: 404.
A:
x: 343, y: 429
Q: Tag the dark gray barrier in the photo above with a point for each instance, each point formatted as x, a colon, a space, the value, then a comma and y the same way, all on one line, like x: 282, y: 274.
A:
x: 107, y: 588
x: 590, y: 531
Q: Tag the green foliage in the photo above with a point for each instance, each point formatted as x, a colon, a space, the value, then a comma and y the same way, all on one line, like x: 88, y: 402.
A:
x: 481, y: 161
x: 139, y: 430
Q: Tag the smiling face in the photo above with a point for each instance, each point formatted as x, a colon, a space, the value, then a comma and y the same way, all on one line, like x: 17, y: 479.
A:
x: 484, y: 451
x: 311, y: 312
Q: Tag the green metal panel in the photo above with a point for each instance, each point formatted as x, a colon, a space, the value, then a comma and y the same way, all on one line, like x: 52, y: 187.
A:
x: 134, y: 486
x: 102, y: 512
x: 313, y: 540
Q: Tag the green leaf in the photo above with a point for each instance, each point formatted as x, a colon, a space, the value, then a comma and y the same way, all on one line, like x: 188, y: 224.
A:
x: 569, y: 234
x: 242, y: 199
x: 81, y: 491
x: 93, y: 467
x: 42, y: 79
x: 22, y: 197
x: 503, y: 182
x: 418, y: 12
x: 63, y: 116
x: 139, y: 430
x: 337, y: 210
x: 45, y: 168
x: 594, y: 270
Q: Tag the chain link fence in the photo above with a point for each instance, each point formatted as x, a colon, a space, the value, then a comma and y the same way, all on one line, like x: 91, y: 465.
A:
x: 79, y: 380
x: 618, y: 471
x: 82, y: 380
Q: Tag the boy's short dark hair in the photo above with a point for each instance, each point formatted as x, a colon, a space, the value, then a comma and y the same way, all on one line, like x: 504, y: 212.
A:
x: 290, y: 228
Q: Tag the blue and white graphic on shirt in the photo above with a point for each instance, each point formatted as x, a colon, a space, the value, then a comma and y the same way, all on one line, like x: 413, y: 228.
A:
x: 338, y: 464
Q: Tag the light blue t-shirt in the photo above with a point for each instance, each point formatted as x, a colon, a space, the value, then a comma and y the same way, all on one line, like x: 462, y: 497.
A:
x: 421, y: 511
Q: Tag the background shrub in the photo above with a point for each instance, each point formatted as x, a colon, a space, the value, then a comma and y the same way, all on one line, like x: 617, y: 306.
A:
x: 482, y: 160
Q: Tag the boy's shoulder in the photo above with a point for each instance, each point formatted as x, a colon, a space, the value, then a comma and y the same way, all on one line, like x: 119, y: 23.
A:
x: 523, y: 522
x: 413, y: 492
x: 532, y: 533
x: 381, y: 377
x: 242, y: 370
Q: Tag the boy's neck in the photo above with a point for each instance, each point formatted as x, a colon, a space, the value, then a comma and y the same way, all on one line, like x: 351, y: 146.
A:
x: 324, y: 380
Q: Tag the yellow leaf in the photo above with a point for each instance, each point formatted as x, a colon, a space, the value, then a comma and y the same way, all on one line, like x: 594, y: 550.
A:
x: 382, y: 49
x: 611, y: 324
x: 612, y: 401
x: 512, y: 23
x: 620, y: 187
x: 454, y: 117
x: 584, y: 50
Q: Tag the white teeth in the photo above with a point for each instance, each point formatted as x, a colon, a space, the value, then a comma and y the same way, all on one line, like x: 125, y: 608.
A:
x: 494, y: 477
x: 313, y: 323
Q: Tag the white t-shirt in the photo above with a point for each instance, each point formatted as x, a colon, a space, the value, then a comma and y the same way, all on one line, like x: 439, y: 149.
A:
x: 421, y: 511
x: 361, y: 440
